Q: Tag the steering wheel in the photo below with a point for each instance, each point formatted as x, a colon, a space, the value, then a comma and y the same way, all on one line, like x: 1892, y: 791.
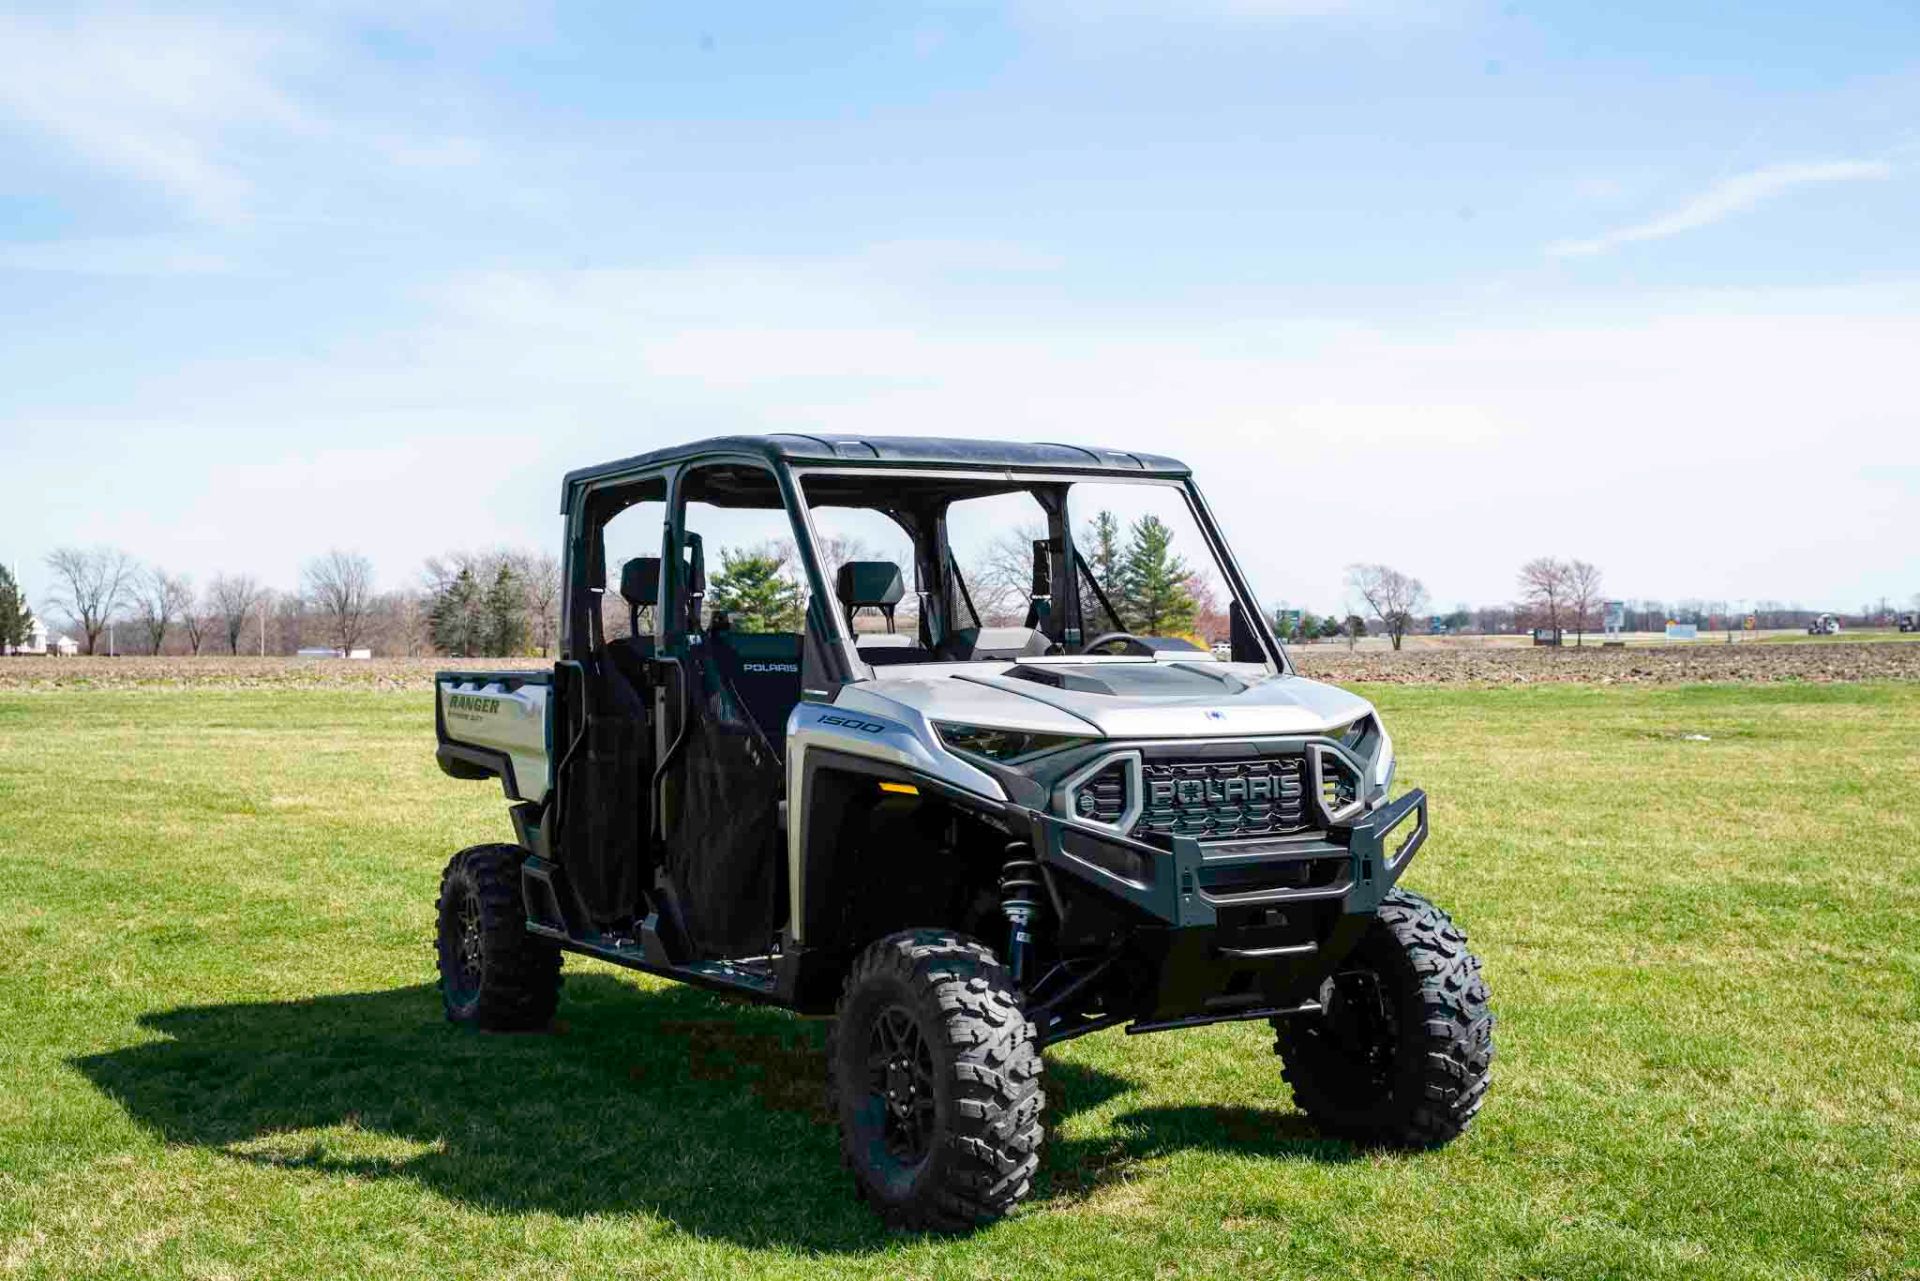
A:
x: 1134, y: 645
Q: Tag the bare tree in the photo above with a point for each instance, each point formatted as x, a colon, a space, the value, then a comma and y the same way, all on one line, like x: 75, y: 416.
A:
x: 1001, y: 578
x: 1543, y: 586
x: 197, y: 621
x: 160, y: 599
x: 540, y: 575
x: 833, y: 550
x: 1583, y: 597
x: 405, y: 614
x: 233, y: 598
x: 340, y: 585
x: 1210, y: 618
x: 1393, y: 597
x: 89, y: 583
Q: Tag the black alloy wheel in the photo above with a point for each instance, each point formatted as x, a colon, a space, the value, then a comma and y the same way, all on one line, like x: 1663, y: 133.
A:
x: 900, y: 1084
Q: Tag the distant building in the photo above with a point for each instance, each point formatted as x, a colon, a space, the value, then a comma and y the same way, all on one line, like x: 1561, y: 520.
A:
x: 40, y: 642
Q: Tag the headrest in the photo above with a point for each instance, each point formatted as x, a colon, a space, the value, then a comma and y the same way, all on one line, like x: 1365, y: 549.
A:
x: 640, y: 581
x: 869, y: 582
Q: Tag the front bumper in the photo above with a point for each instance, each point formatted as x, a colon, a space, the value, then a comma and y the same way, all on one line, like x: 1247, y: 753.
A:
x: 1234, y: 929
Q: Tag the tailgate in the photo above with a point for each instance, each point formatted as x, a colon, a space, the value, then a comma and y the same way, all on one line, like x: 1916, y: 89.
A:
x: 495, y: 725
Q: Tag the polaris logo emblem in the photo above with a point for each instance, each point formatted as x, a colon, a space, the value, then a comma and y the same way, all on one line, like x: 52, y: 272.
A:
x: 1184, y: 792
x: 769, y: 667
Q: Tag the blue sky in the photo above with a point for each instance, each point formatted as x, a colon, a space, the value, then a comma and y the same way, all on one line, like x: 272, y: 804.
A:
x: 1466, y: 282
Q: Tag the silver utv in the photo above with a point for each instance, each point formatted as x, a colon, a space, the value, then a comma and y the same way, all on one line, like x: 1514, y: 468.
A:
x: 966, y: 819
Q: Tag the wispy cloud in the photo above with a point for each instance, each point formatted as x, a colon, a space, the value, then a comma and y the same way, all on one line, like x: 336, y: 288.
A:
x: 156, y: 99
x: 1725, y: 198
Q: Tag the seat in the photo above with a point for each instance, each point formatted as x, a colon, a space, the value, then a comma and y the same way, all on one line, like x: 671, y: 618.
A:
x: 640, y: 588
x: 876, y: 584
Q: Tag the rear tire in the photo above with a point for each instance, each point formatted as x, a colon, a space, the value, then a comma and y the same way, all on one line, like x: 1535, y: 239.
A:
x: 493, y: 973
x: 934, y: 1074
x: 1402, y: 1054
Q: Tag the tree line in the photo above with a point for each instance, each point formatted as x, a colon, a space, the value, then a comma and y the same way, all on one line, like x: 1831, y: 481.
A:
x: 1560, y: 596
x: 499, y: 602
x: 1554, y: 594
x: 504, y: 602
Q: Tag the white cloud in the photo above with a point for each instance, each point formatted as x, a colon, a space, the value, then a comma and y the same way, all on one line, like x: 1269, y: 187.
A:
x: 157, y: 99
x: 1723, y: 199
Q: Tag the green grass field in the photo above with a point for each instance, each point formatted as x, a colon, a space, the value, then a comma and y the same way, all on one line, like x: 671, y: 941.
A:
x: 221, y: 1054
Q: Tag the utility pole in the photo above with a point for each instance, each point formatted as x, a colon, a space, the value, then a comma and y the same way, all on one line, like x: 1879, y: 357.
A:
x: 263, y: 627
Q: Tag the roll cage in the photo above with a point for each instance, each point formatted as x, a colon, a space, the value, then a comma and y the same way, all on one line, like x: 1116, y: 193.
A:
x: 800, y: 473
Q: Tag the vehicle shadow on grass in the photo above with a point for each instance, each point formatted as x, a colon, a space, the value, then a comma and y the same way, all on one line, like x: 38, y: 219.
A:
x: 707, y: 1113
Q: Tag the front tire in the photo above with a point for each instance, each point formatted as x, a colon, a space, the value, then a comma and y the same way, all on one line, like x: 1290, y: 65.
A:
x: 934, y: 1074
x: 1401, y: 1055
x: 493, y: 973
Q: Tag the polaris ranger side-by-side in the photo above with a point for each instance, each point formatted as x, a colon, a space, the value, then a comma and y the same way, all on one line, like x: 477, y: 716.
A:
x: 965, y: 838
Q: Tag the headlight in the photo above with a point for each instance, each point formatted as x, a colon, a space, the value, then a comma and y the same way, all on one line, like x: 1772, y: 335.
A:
x: 1383, y: 763
x: 1003, y: 745
x: 1367, y: 739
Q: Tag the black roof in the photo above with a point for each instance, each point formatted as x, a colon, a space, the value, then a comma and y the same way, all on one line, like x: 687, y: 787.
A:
x: 899, y: 451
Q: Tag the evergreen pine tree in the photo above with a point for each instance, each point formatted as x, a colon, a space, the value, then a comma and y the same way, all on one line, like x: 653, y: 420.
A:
x: 454, y: 617
x: 753, y: 592
x: 16, y: 620
x: 1154, y: 582
x: 504, y: 623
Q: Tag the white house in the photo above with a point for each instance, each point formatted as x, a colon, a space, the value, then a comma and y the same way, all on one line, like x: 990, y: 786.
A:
x: 39, y: 642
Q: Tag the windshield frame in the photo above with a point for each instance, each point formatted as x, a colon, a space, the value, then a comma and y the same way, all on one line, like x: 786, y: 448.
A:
x: 1276, y: 658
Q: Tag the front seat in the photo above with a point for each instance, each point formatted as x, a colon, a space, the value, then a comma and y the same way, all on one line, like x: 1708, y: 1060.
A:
x: 876, y: 584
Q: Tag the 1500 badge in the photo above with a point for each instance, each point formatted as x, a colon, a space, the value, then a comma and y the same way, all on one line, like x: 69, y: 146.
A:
x: 853, y: 722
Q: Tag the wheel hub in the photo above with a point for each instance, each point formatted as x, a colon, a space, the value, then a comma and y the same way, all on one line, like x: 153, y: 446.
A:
x: 900, y: 1079
x: 1360, y: 1025
x: 470, y: 938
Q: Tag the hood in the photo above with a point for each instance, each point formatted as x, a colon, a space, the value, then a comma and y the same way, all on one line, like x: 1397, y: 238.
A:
x: 1115, y: 697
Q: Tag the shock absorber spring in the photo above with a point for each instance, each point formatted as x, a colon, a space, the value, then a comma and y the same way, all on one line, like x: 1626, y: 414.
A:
x: 1022, y: 895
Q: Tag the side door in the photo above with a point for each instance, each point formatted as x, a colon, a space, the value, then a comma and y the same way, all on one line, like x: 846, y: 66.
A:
x: 604, y: 725
x: 731, y: 654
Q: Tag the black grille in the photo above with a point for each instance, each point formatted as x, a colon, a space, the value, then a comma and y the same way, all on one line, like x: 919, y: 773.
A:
x: 1222, y: 799
x: 1103, y: 798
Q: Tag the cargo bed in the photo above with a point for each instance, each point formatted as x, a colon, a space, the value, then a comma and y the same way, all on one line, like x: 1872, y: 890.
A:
x: 496, y: 725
